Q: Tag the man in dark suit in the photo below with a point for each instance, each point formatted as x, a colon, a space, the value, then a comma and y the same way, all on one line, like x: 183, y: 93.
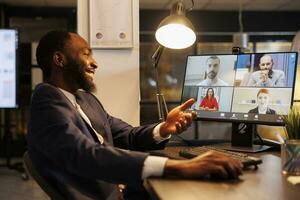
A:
x: 82, y: 150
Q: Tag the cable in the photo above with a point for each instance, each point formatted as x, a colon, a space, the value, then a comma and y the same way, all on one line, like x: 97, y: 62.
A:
x: 240, y: 16
x: 191, y: 8
x: 260, y: 139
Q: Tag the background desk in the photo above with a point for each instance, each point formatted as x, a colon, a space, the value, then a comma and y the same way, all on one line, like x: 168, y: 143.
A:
x: 263, y: 184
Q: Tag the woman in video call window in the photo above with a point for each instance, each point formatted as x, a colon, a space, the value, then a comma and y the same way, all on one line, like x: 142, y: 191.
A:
x: 209, y: 102
x: 263, y: 98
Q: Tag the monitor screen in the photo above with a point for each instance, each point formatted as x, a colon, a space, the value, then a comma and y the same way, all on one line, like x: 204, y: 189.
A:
x: 255, y: 88
x: 8, y: 68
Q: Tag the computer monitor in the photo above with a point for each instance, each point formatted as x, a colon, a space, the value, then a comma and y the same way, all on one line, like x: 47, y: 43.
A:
x: 8, y: 68
x: 244, y: 89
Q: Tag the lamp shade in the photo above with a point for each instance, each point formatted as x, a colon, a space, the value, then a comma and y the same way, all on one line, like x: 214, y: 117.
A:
x: 176, y: 31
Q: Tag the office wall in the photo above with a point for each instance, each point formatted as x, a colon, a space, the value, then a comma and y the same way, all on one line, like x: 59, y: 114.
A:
x: 117, y: 77
x: 227, y: 21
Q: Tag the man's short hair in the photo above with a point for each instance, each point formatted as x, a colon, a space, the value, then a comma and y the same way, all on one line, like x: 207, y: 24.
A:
x: 269, y: 56
x: 51, y: 42
x: 213, y: 58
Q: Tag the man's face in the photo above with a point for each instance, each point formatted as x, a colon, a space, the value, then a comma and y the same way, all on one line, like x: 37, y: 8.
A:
x: 263, y: 100
x: 80, y: 67
x: 266, y: 63
x: 212, y: 68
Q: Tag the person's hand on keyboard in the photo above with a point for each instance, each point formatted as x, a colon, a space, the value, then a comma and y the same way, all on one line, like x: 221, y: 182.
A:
x: 211, y: 163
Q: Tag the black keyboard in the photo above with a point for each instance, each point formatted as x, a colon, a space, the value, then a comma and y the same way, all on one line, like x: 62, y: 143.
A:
x: 244, y: 158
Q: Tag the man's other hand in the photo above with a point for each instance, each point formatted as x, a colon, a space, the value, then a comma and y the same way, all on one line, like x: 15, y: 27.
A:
x: 264, y: 75
x: 178, y: 120
x: 211, y: 163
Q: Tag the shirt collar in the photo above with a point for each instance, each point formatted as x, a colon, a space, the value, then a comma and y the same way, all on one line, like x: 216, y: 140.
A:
x: 69, y: 96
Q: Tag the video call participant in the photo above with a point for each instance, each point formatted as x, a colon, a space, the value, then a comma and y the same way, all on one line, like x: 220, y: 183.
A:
x: 209, y: 102
x: 267, y: 76
x: 83, y: 151
x: 263, y: 97
x: 211, y: 73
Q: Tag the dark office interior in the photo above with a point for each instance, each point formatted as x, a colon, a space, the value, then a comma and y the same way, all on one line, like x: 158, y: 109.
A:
x: 270, y: 26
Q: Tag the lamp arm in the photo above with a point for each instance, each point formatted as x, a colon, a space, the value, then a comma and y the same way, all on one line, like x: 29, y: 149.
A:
x: 156, y: 55
x: 161, y: 103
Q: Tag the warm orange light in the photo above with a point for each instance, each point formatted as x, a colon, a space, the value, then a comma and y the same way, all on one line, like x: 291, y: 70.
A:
x: 176, y: 31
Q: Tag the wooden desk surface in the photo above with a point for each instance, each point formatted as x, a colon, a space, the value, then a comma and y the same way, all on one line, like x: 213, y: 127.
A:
x: 265, y: 183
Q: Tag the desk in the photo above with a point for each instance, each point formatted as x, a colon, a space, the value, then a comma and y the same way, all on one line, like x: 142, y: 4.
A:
x: 263, y: 184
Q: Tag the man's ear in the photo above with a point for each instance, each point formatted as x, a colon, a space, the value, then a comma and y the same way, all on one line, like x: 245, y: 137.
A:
x: 59, y: 59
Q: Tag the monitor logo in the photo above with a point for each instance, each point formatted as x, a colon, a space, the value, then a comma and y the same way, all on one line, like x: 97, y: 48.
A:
x: 242, y: 128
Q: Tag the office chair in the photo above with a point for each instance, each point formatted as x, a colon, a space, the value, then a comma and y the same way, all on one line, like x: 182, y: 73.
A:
x: 7, y: 143
x: 46, y: 186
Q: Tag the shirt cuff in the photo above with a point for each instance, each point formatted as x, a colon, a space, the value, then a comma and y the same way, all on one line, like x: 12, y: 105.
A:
x: 153, y: 166
x: 156, y: 136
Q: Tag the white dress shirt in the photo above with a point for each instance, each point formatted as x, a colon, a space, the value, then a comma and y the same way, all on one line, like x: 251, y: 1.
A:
x: 153, y: 165
x: 212, y: 82
x: 277, y: 80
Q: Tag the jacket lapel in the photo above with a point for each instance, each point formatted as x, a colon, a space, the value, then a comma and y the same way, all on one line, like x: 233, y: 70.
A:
x: 95, y: 113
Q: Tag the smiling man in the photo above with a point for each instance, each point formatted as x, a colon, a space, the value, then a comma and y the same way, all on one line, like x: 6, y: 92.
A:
x: 82, y: 150
x: 266, y: 76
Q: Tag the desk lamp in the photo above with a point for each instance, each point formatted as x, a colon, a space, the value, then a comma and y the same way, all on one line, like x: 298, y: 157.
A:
x: 174, y: 32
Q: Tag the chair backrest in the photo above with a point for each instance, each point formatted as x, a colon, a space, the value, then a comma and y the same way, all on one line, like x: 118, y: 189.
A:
x: 43, y: 183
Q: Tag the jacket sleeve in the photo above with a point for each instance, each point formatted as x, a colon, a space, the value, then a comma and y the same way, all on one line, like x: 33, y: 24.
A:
x: 126, y: 136
x: 252, y: 81
x: 134, y: 138
x: 281, y: 79
x: 53, y: 133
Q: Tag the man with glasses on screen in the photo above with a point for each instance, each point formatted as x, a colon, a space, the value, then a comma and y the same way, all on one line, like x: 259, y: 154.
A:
x: 267, y: 76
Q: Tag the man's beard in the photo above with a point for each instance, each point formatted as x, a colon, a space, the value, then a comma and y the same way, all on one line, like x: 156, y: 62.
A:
x: 211, y: 75
x: 74, y: 73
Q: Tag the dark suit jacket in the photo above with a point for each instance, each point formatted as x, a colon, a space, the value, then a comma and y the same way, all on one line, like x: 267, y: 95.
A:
x: 269, y: 111
x: 63, y: 149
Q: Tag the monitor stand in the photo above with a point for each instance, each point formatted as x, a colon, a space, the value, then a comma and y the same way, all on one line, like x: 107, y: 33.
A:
x: 242, y: 139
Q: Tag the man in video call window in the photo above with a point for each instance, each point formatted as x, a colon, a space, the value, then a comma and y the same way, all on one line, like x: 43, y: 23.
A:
x: 263, y: 98
x: 212, y: 79
x: 267, y: 76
